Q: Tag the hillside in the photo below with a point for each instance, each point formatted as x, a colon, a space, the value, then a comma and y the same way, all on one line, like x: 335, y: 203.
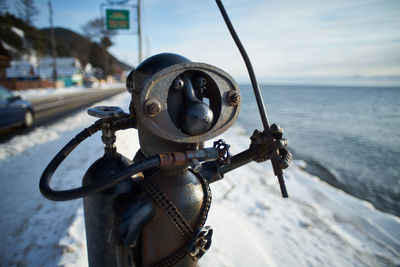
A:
x: 69, y: 43
x: 73, y: 44
x: 32, y: 37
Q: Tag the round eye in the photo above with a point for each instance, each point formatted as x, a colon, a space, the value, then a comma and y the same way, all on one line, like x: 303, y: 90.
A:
x: 178, y: 84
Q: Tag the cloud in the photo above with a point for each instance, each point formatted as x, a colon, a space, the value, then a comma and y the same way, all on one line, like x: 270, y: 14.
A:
x: 283, y: 38
x: 299, y: 38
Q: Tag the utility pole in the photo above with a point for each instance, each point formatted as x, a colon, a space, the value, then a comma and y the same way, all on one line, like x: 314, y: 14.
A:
x: 148, y: 49
x: 139, y: 32
x: 53, y: 44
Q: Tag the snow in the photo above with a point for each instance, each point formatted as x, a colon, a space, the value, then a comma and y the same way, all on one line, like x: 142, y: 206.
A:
x: 253, y: 226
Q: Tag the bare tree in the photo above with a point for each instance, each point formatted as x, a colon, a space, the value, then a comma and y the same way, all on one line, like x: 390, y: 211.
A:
x: 95, y: 30
x: 26, y: 10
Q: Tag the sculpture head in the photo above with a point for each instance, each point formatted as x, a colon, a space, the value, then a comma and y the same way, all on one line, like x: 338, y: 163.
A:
x: 181, y: 102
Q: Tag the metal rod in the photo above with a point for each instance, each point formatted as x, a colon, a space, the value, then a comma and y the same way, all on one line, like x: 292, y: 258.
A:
x: 238, y: 160
x: 256, y: 88
x: 260, y: 103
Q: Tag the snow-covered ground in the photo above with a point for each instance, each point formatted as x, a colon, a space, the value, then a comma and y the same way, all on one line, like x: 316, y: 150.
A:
x: 253, y: 226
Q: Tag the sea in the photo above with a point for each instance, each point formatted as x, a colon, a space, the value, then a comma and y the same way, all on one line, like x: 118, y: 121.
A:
x: 348, y: 136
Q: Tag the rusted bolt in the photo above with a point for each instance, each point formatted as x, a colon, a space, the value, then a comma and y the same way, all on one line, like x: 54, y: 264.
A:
x: 152, y: 108
x: 233, y: 98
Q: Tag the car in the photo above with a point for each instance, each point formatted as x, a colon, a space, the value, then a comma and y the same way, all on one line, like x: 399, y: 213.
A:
x: 14, y: 111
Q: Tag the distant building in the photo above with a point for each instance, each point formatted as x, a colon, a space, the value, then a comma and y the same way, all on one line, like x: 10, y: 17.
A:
x: 4, y: 62
x: 69, y: 70
x: 29, y: 70
x: 21, y: 70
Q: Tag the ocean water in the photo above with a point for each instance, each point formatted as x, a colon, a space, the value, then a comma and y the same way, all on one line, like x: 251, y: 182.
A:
x: 349, y: 136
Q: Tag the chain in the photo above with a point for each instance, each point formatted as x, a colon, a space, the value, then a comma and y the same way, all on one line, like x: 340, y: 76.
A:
x: 177, y: 218
x: 207, y: 204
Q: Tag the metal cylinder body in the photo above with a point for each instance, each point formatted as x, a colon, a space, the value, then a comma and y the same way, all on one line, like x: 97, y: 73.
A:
x: 100, y: 210
x: 160, y: 236
x: 179, y: 105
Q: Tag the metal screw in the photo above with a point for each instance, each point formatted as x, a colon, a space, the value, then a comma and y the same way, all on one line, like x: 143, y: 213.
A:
x: 152, y: 108
x: 277, y: 130
x: 233, y: 98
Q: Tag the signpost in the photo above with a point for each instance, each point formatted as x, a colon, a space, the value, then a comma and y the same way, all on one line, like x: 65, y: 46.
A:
x: 120, y: 15
x: 117, y: 19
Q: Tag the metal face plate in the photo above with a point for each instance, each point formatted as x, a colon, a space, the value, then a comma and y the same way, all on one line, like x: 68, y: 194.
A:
x: 157, y: 86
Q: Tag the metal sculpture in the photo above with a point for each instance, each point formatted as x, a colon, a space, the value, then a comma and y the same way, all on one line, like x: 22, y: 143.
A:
x: 151, y: 211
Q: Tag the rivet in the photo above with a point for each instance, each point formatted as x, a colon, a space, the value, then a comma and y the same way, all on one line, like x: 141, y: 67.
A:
x: 233, y: 98
x: 152, y: 108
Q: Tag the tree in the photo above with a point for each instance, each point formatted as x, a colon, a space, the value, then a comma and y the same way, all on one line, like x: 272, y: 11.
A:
x: 95, y: 30
x: 26, y: 10
x: 32, y: 38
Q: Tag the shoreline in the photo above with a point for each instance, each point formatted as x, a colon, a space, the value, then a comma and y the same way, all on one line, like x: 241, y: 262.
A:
x: 328, y: 174
x: 315, y: 168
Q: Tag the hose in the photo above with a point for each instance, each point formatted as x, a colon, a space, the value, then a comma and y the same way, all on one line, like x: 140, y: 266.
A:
x: 93, y: 188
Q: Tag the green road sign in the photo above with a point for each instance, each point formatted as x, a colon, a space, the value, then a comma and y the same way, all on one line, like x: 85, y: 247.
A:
x: 117, y: 19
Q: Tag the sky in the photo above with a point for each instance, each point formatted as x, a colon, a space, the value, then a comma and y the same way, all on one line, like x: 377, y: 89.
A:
x: 325, y: 42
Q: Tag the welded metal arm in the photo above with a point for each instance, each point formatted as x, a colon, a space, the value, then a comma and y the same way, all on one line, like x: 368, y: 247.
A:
x: 238, y: 160
x: 260, y: 150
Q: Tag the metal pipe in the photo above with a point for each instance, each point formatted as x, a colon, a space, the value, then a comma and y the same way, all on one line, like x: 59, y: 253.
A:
x: 238, y: 160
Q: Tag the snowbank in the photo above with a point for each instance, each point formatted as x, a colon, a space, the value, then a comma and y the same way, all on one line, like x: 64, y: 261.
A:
x: 318, y: 225
x: 253, y: 226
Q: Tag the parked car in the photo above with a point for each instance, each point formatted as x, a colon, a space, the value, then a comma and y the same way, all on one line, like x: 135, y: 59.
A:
x: 14, y: 111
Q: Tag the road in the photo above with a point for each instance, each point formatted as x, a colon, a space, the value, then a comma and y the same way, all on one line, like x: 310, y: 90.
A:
x: 51, y: 108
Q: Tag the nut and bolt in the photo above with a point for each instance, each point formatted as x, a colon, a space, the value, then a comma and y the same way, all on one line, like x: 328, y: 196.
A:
x: 233, y: 98
x: 152, y: 108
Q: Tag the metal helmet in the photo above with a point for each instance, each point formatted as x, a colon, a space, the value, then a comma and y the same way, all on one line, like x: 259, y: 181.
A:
x: 183, y: 101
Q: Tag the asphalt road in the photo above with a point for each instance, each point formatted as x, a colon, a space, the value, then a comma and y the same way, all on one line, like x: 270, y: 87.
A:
x: 51, y: 108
